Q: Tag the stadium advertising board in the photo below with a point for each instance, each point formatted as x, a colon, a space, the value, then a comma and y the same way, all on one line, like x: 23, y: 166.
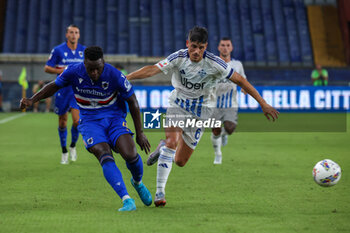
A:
x: 284, y: 98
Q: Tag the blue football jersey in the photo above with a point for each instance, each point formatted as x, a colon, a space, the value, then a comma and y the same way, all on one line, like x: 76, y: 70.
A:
x: 62, y: 56
x: 101, y: 99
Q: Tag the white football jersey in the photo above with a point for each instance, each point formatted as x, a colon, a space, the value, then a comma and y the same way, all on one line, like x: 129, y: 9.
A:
x: 226, y: 90
x: 194, y: 82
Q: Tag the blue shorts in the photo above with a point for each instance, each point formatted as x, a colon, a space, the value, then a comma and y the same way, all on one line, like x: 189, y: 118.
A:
x: 103, y: 130
x: 64, y: 100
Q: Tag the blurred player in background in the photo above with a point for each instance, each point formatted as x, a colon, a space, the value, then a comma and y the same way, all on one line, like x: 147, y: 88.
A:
x: 226, y: 101
x: 61, y: 56
x: 101, y: 91
x: 47, y: 101
x: 195, y: 73
x: 319, y: 76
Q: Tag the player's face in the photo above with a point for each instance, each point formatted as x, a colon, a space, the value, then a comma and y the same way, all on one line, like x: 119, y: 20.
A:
x: 196, y: 50
x: 94, y: 68
x: 73, y: 35
x: 225, y: 48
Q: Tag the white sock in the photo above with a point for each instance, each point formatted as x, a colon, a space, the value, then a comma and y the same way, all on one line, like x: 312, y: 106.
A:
x: 217, y: 141
x: 125, y: 197
x: 165, y: 163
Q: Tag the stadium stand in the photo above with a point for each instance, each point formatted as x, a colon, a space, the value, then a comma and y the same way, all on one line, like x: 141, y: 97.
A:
x: 278, y: 41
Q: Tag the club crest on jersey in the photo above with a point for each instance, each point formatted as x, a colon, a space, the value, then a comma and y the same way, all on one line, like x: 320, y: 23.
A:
x: 65, y: 54
x: 202, y: 73
x: 80, y: 80
x: 81, y: 53
x: 105, y: 85
x: 90, y: 140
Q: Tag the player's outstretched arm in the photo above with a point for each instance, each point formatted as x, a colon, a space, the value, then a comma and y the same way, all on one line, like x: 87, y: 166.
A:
x: 144, y: 72
x: 52, y: 70
x: 268, y: 110
x: 141, y: 138
x: 47, y: 91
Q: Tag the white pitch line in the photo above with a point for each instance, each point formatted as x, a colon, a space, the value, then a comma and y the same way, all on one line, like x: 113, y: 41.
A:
x: 3, y: 121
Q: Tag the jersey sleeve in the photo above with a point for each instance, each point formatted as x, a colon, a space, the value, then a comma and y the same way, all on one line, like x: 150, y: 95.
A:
x: 124, y: 86
x: 53, y: 58
x: 224, y: 70
x: 64, y: 79
x: 240, y: 70
x: 171, y: 61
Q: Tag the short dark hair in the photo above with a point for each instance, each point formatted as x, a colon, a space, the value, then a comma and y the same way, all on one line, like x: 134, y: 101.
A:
x: 198, y: 34
x: 71, y: 25
x: 93, y: 53
x: 226, y: 38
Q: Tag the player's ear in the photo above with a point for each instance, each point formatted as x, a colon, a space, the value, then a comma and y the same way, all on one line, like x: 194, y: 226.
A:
x: 187, y: 43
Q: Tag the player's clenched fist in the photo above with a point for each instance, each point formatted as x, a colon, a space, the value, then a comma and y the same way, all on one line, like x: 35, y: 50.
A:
x: 25, y: 103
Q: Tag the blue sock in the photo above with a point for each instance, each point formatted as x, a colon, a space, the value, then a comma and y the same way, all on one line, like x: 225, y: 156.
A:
x: 62, y: 132
x: 113, y: 175
x: 75, y: 135
x: 136, y: 168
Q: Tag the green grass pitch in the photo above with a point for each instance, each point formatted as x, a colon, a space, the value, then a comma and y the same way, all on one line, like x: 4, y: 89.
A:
x: 265, y: 184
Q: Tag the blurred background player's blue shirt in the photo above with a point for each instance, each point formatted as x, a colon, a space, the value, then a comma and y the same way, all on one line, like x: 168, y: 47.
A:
x: 61, y: 56
x: 101, y: 99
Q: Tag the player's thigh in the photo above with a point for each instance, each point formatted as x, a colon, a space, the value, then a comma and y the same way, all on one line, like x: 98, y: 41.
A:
x: 75, y: 116
x: 230, y: 119
x: 117, y: 127
x: 93, y: 132
x: 125, y: 146
x: 183, y: 153
x: 172, y: 137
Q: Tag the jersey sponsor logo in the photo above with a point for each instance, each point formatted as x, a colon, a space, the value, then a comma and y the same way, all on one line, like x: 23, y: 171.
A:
x: 105, y: 85
x: 190, y: 85
x: 127, y: 85
x: 92, y: 103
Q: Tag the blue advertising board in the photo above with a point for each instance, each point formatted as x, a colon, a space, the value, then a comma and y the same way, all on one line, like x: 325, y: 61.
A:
x: 283, y: 98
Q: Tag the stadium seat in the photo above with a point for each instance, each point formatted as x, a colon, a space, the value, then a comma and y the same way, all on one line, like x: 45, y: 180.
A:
x: 89, y: 23
x: 100, y: 23
x: 213, y: 32
x: 248, y: 43
x: 258, y: 32
x: 78, y: 18
x: 33, y: 30
x: 168, y: 29
x: 134, y: 27
x: 112, y: 27
x: 178, y: 16
x: 157, y: 38
x: 269, y: 31
x: 145, y: 35
x: 46, y: 17
x: 235, y: 29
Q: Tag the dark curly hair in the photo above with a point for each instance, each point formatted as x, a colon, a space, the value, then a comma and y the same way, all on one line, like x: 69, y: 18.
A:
x: 93, y: 53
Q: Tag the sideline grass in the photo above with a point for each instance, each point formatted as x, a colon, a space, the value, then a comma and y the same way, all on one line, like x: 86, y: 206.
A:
x: 264, y: 185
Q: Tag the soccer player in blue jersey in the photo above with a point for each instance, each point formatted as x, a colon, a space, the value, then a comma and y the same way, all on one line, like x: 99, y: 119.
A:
x: 101, y: 91
x: 67, y: 53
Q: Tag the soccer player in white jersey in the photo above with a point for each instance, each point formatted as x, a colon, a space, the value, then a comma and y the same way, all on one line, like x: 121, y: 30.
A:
x: 226, y: 101
x: 194, y: 75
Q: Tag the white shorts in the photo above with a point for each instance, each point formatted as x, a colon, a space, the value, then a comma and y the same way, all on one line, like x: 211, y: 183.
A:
x: 226, y: 114
x: 191, y: 135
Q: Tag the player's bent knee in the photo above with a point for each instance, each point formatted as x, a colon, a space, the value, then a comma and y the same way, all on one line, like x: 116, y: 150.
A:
x: 216, y: 131
x: 230, y: 128
x: 170, y: 143
x: 180, y: 163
